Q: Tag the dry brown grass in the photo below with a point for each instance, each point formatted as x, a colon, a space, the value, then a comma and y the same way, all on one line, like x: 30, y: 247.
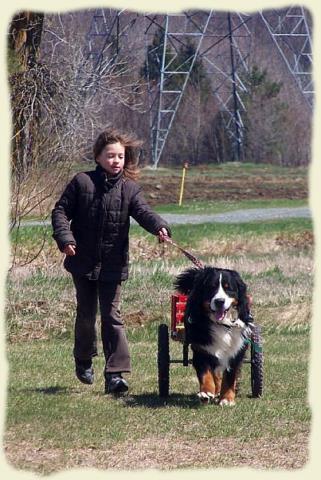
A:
x: 256, y: 245
x: 148, y: 248
x: 289, y: 317
x: 277, y: 268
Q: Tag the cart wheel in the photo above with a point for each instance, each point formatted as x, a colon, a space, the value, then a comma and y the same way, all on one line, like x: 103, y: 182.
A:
x: 163, y: 360
x: 256, y: 362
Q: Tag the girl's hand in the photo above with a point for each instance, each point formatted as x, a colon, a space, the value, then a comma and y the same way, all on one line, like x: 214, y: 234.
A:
x: 70, y: 250
x: 162, y: 233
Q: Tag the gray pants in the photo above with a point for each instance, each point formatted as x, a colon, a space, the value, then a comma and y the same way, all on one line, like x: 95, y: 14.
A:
x: 113, y: 334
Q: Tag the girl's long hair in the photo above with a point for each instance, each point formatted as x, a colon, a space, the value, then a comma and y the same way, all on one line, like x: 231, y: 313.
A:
x: 131, y: 144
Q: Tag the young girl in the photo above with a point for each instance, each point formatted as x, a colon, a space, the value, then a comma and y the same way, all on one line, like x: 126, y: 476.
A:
x: 99, y: 203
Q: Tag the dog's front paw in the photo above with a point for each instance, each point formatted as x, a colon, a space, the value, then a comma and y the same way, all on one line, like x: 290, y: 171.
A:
x: 226, y: 403
x: 206, y: 397
x: 239, y: 323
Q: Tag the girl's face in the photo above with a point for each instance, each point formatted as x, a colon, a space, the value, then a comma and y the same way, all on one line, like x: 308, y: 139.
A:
x: 112, y: 158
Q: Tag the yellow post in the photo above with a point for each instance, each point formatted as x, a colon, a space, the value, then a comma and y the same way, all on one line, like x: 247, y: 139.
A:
x: 185, y: 166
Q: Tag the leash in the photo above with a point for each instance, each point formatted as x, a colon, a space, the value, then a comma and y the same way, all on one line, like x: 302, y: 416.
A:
x: 187, y: 254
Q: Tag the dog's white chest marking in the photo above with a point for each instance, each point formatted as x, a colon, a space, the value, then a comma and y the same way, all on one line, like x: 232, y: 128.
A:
x: 225, y: 344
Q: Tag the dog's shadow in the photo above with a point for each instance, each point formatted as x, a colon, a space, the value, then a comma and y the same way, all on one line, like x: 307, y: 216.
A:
x: 153, y: 400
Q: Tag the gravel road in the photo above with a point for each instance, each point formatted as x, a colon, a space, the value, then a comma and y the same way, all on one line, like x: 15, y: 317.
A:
x: 236, y: 216
x: 239, y: 216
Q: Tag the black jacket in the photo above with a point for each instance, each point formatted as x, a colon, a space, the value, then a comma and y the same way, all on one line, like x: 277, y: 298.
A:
x: 99, y: 207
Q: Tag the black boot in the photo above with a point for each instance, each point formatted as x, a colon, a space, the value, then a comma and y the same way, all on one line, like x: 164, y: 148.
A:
x: 84, y: 371
x: 115, y: 383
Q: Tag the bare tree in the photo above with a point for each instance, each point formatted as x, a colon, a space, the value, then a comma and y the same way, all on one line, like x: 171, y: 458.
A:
x: 59, y: 104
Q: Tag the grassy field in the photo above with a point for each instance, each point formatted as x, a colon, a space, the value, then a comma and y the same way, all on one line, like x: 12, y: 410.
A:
x: 54, y: 422
x: 209, y: 188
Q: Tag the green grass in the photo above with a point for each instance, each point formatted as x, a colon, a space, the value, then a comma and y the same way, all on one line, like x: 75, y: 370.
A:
x: 47, y: 405
x: 191, y: 234
x: 219, y: 206
x: 48, y: 409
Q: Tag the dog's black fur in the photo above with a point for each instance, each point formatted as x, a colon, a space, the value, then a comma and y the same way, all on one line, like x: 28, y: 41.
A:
x: 207, y: 335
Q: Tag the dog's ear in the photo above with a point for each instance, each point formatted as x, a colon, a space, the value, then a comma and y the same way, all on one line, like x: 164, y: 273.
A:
x: 184, y: 282
x: 243, y: 299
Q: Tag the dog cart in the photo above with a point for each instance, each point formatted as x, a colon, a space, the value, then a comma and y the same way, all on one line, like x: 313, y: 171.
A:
x: 254, y: 354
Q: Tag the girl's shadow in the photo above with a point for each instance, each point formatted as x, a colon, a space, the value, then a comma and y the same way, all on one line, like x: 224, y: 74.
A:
x: 53, y: 390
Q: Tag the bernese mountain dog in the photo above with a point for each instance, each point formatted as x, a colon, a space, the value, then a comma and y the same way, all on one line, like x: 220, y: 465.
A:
x: 217, y: 325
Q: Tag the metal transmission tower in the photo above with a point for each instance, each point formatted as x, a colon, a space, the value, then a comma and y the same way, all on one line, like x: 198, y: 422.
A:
x: 222, y: 42
x: 103, y: 42
x: 102, y: 35
x: 228, y: 61
x: 290, y: 31
x: 175, y: 57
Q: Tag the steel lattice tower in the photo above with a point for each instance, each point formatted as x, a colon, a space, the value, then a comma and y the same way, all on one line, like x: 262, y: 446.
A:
x: 103, y: 36
x: 228, y: 61
x: 175, y: 70
x: 290, y: 31
x: 103, y: 42
x: 222, y: 41
x: 215, y: 39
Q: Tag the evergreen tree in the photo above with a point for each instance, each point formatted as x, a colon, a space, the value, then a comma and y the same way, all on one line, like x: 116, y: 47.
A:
x: 198, y: 76
x: 181, y: 63
x: 152, y: 66
x: 264, y: 119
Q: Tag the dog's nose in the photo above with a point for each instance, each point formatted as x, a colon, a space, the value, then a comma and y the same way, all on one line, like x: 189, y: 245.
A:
x: 219, y: 302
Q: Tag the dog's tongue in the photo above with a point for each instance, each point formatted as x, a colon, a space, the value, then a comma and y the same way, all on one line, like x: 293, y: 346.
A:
x: 219, y: 315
